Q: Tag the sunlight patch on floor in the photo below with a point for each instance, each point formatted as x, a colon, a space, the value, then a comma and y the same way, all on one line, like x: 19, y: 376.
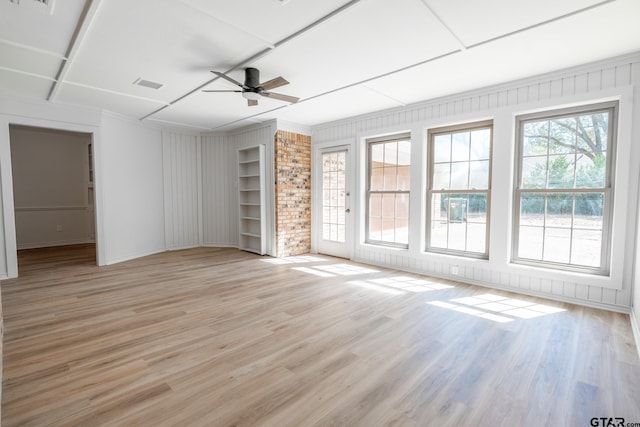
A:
x: 498, y: 308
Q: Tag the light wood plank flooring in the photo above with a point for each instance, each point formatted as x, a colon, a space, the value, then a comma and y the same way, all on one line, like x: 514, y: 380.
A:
x: 220, y: 337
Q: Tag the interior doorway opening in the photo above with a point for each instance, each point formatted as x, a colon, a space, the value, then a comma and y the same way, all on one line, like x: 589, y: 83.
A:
x: 53, y: 191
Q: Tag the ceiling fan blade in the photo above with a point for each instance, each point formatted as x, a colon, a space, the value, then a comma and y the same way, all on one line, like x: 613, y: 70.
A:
x: 252, y: 102
x: 211, y: 90
x: 281, y: 97
x: 274, y: 83
x: 227, y: 78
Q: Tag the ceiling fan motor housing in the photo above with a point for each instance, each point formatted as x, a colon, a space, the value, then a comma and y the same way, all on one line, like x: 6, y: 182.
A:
x: 252, y: 78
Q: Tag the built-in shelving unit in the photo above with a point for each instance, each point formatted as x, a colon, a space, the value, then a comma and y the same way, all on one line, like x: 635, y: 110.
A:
x: 251, y: 189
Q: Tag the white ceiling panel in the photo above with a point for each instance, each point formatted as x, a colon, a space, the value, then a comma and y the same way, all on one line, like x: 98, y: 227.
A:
x: 25, y: 23
x: 30, y: 61
x: 268, y: 20
x: 367, y: 40
x: 345, y: 103
x: 107, y: 101
x: 24, y: 85
x: 526, y: 54
x: 211, y: 110
x: 477, y: 21
x: 163, y: 41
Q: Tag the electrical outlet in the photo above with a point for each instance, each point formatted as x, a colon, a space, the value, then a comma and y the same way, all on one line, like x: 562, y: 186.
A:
x: 454, y: 270
x: 59, y: 228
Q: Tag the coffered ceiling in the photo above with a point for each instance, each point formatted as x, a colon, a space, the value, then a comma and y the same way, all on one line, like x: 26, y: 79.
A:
x: 342, y: 58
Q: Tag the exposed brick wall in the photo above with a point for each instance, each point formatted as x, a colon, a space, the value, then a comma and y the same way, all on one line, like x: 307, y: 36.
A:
x: 293, y: 193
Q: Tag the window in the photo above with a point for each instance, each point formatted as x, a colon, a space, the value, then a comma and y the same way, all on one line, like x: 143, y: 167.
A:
x: 563, y: 188
x: 389, y: 161
x: 458, y: 189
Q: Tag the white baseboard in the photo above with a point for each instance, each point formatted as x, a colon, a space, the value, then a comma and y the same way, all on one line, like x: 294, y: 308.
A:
x: 635, y: 327
x: 53, y: 244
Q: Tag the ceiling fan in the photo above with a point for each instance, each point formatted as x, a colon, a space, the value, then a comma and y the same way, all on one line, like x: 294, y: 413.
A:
x: 253, y: 90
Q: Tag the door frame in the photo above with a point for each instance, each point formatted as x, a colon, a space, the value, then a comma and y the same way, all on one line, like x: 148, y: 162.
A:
x: 6, y: 179
x: 316, y: 193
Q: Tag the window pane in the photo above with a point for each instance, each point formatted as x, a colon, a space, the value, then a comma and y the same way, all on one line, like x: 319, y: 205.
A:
x: 377, y: 179
x: 375, y: 205
x: 441, y: 176
x: 402, y: 205
x: 438, y: 234
x: 588, y: 210
x: 442, y: 148
x: 534, y: 172
x: 460, y: 175
x: 562, y: 135
x: 480, y: 144
x: 476, y: 237
x: 390, y: 153
x: 388, y: 205
x: 404, y: 153
x: 403, y: 177
x: 536, y: 138
x: 591, y: 171
x: 477, y: 208
x: 530, y: 242
x: 457, y: 235
x: 377, y: 155
x: 402, y: 231
x: 559, y: 210
x: 532, y: 208
x: 460, y: 146
x: 593, y: 132
x: 557, y: 245
x: 586, y: 247
x: 561, y: 171
x: 479, y: 175
x: 390, y: 182
x: 375, y: 228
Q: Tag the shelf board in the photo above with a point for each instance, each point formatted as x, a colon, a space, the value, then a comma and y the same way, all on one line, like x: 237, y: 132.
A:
x: 249, y: 189
x: 249, y: 204
x: 250, y: 217
x: 246, y: 162
x: 249, y: 176
x: 244, y: 233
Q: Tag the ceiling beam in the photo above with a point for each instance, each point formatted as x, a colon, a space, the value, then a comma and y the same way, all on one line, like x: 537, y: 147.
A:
x: 82, y: 26
x: 262, y: 53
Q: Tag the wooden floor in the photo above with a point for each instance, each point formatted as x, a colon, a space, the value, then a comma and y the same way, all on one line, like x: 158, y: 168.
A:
x: 220, y: 337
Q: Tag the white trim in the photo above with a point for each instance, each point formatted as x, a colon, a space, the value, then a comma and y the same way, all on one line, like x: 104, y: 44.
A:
x: 55, y: 243
x: 134, y: 256
x: 635, y: 328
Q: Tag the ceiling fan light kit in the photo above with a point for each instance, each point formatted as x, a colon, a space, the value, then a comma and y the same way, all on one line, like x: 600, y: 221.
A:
x: 253, y: 90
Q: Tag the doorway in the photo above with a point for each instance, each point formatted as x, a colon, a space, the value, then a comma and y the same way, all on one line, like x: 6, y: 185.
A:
x: 52, y: 175
x: 335, y: 232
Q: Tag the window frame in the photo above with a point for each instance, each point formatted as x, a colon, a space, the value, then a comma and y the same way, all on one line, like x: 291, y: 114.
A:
x: 403, y: 136
x: 612, y: 107
x: 431, y: 134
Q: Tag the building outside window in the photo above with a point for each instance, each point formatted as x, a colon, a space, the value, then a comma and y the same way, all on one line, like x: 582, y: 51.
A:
x: 459, y: 182
x: 388, y: 179
x: 563, y: 197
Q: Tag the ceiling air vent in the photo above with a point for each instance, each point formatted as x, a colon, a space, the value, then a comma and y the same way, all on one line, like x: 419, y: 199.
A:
x: 39, y: 5
x: 147, y: 83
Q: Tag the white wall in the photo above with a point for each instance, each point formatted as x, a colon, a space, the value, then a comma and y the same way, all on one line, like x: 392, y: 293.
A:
x: 51, y: 187
x: 607, y: 80
x: 132, y: 188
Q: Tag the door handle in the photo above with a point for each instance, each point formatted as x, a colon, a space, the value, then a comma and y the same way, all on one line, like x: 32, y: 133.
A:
x: 347, y: 210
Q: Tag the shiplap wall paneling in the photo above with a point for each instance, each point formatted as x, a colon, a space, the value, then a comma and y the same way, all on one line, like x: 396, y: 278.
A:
x: 219, y: 194
x: 181, y: 168
x: 560, y: 88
